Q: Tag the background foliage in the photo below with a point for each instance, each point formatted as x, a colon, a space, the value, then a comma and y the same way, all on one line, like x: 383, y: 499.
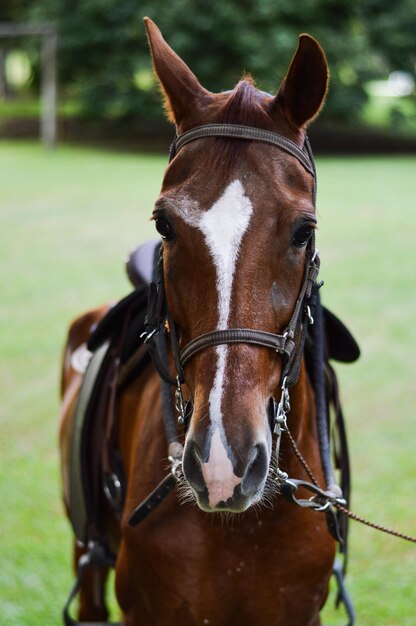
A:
x: 104, y: 59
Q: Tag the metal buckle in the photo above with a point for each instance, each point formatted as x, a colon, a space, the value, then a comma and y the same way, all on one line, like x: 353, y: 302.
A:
x: 309, y: 314
x: 320, y: 500
x: 113, y: 490
x: 147, y: 335
x: 176, y: 466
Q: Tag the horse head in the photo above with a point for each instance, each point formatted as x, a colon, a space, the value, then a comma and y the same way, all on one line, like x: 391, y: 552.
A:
x: 235, y: 217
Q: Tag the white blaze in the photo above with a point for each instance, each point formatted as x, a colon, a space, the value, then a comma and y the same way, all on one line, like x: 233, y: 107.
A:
x: 224, y: 226
x: 218, y: 472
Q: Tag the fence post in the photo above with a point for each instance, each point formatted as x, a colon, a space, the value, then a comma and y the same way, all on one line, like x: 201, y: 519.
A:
x: 47, y: 31
x: 48, y: 117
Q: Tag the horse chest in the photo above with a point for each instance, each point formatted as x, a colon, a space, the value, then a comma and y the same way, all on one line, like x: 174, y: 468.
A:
x: 256, y: 573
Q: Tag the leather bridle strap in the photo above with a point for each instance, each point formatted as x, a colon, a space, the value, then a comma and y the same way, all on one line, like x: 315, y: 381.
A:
x: 302, y: 314
x: 280, y: 343
x: 238, y: 131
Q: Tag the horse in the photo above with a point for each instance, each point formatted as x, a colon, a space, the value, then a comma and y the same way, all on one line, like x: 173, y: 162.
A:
x: 236, y: 216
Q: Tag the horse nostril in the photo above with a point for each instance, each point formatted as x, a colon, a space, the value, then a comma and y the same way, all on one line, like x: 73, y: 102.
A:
x: 197, y: 452
x: 191, y: 465
x: 256, y: 471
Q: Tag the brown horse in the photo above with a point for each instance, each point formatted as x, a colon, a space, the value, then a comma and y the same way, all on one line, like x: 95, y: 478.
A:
x: 236, y: 217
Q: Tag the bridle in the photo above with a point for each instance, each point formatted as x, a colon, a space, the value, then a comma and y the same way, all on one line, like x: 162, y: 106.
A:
x: 291, y: 342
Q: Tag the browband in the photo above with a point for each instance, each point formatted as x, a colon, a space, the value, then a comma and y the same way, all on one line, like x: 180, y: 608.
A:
x: 237, y: 131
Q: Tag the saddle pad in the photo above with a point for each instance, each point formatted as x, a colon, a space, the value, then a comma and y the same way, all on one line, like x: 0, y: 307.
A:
x: 112, y: 322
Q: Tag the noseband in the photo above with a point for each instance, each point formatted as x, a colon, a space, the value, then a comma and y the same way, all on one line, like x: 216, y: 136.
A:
x: 290, y: 343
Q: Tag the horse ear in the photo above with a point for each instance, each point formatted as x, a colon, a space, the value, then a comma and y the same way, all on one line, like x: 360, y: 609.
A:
x: 183, y: 93
x: 302, y: 92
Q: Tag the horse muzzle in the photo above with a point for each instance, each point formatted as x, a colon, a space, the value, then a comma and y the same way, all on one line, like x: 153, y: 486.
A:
x: 218, y: 481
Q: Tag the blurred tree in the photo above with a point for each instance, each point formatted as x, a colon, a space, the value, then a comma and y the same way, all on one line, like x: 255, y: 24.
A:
x: 11, y: 10
x: 104, y: 59
x: 392, y: 32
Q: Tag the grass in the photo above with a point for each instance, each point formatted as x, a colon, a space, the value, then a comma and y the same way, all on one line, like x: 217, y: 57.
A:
x: 68, y: 219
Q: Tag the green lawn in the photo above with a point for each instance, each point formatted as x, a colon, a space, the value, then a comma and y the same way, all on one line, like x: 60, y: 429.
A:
x: 68, y: 219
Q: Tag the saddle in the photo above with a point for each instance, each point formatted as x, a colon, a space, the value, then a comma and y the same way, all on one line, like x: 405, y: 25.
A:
x: 118, y: 353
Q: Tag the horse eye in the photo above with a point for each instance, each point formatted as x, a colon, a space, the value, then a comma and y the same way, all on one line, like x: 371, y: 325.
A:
x: 302, y: 236
x: 164, y: 228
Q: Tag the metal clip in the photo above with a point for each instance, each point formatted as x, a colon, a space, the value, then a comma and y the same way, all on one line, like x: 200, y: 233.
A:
x: 320, y: 507
x: 113, y: 490
x: 309, y: 314
x: 179, y: 402
x: 176, y: 466
x: 283, y: 407
x: 147, y: 335
x: 280, y: 426
x: 321, y: 500
x: 281, y: 476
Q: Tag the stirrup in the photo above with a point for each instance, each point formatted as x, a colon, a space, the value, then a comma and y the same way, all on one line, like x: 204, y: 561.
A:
x: 97, y: 556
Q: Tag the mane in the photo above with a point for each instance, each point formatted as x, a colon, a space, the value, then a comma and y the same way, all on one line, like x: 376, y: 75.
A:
x: 247, y: 106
